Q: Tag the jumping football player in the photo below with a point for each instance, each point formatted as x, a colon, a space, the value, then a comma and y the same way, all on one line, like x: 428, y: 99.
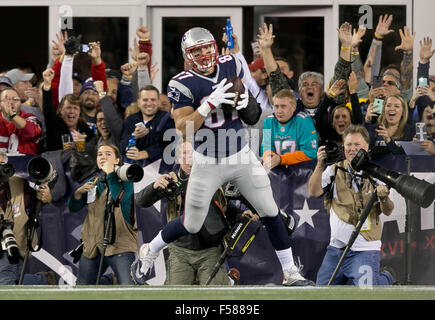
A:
x: 221, y: 152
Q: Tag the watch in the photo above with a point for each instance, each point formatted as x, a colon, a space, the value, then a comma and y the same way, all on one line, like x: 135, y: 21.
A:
x: 12, y: 116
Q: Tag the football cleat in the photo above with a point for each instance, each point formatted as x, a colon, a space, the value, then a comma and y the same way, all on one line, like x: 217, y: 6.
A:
x: 142, y: 265
x: 292, y: 278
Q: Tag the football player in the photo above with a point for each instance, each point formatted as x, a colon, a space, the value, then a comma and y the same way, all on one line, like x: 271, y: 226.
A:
x: 221, y: 152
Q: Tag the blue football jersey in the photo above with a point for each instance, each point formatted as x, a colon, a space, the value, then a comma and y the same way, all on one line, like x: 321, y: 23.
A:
x: 222, y: 134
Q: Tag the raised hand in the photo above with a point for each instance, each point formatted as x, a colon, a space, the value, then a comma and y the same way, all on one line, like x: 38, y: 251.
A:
x: 384, y: 23
x: 353, y: 82
x: 358, y: 35
x: 337, y: 88
x: 128, y: 69
x: 48, y: 76
x: 426, y: 51
x: 345, y: 34
x: 57, y: 47
x: 95, y: 52
x: 265, y: 37
x: 407, y: 40
x: 134, y: 52
x: 142, y: 60
x: 236, y: 47
x: 383, y: 132
x: 143, y: 33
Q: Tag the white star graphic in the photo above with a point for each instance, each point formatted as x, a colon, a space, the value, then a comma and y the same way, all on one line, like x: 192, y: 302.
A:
x: 305, y: 215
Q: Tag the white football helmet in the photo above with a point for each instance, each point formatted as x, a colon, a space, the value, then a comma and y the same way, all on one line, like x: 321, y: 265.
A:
x: 197, y: 38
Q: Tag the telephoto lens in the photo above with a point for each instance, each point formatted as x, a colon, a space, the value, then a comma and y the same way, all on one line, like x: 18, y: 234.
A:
x: 9, y: 244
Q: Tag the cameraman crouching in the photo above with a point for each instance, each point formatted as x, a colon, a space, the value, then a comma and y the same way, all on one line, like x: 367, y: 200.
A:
x: 15, y: 199
x: 193, y: 256
x: 346, y: 195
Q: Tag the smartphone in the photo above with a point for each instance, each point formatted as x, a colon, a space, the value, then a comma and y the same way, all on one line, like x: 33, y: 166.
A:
x: 140, y: 125
x: 420, y: 131
x: 255, y: 49
x: 422, y: 82
x: 84, y: 48
x: 377, y: 82
x: 379, y: 106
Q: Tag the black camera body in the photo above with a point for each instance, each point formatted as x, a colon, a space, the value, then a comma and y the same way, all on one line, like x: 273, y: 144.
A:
x: 334, y: 152
x: 173, y: 189
x: 8, y: 241
x: 6, y: 171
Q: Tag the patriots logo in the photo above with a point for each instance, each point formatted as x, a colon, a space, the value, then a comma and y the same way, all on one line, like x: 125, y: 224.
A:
x: 174, y: 94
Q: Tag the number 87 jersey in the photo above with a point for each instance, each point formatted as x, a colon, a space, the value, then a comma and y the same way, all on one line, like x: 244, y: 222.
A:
x: 191, y: 88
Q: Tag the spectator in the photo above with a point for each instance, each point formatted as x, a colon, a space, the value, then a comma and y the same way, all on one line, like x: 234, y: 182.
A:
x: 77, y: 83
x: 310, y: 83
x: 113, y: 77
x: 428, y: 117
x: 344, y: 205
x: 165, y: 103
x: 149, y: 134
x: 68, y: 118
x: 332, y: 123
x: 5, y: 82
x: 108, y: 120
x: 119, y: 255
x: 288, y: 138
x: 284, y: 66
x: 89, y: 98
x: 192, y: 256
x: 16, y: 197
x: 258, y: 72
x: 393, y: 125
x: 28, y: 95
x: 20, y: 131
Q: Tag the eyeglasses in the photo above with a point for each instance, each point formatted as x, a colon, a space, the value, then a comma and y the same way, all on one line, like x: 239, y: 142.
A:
x: 14, y: 100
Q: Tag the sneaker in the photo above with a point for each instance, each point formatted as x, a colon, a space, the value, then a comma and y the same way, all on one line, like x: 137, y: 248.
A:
x: 292, y: 278
x: 142, y: 264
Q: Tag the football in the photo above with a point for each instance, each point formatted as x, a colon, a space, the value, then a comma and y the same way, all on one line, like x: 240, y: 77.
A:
x: 238, y: 88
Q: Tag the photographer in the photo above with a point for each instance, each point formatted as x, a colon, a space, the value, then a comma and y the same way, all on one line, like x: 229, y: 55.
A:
x: 345, y: 204
x: 120, y: 251
x: 191, y: 256
x: 16, y: 197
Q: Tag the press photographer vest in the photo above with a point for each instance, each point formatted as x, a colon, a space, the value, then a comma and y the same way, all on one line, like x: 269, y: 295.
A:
x: 93, y: 230
x: 349, y: 204
x: 215, y: 225
x: 16, y: 212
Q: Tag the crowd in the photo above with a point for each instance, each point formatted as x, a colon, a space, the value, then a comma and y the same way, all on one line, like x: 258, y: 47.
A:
x: 113, y: 117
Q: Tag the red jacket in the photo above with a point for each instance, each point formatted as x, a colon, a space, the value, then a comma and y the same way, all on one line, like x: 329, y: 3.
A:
x: 98, y: 72
x: 28, y: 137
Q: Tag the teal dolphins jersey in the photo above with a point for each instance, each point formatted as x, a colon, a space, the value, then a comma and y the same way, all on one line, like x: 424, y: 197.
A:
x: 295, y: 141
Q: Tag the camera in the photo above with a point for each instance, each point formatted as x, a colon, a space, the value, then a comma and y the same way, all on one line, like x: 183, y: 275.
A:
x: 172, y: 190
x: 129, y: 172
x: 334, y: 152
x: 6, y: 171
x: 416, y: 190
x: 41, y: 171
x: 73, y: 45
x: 84, y: 48
x: 8, y: 241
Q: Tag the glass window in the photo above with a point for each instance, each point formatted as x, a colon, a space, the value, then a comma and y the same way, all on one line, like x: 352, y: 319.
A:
x: 300, y: 40
x: 25, y: 44
x: 350, y: 14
